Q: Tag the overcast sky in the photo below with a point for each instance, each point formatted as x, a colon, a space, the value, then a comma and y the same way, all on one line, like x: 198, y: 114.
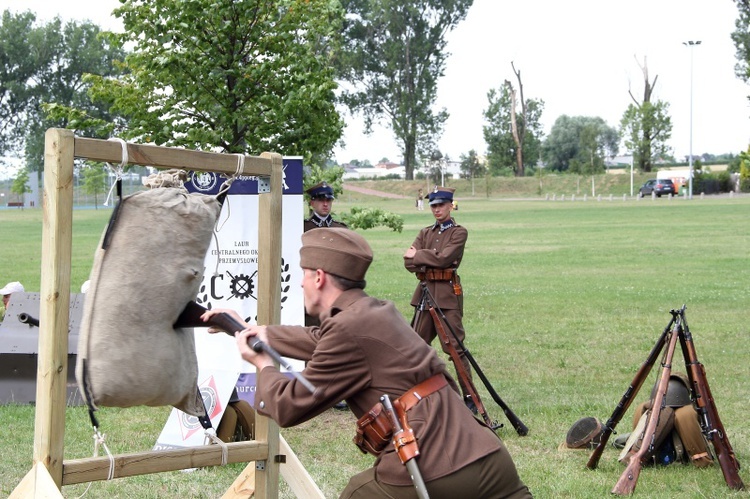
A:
x: 578, y: 56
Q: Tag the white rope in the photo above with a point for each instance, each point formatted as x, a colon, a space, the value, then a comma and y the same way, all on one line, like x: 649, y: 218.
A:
x: 211, y: 437
x: 100, y: 439
x: 117, y: 170
x: 237, y: 172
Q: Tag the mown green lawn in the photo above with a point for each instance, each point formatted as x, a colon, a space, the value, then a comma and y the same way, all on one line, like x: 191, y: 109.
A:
x: 564, y: 301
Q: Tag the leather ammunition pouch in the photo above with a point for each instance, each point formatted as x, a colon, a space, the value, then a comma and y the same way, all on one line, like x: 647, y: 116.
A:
x: 374, y: 429
x: 437, y: 275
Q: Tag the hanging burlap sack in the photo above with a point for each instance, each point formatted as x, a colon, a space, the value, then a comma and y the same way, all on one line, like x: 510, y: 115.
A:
x: 148, y: 266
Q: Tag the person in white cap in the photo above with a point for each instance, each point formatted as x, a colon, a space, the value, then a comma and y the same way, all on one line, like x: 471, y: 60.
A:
x: 8, y: 289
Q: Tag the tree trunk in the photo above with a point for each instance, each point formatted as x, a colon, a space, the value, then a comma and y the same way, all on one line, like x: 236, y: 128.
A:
x: 514, y: 130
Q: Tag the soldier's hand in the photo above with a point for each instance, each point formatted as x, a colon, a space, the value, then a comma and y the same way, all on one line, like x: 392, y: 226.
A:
x: 410, y: 252
x: 258, y: 359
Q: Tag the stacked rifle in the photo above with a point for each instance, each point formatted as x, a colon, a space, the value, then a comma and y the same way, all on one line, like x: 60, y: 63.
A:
x: 700, y: 393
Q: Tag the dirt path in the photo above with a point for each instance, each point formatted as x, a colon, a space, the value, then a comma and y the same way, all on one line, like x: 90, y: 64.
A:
x: 372, y: 192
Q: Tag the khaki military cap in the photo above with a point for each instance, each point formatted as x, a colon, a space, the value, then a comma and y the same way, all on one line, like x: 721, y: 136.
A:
x: 336, y: 250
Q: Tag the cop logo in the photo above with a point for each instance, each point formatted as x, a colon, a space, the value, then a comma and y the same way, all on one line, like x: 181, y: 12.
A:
x: 204, y: 181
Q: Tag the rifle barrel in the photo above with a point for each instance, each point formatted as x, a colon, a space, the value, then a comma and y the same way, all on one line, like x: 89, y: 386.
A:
x: 190, y: 317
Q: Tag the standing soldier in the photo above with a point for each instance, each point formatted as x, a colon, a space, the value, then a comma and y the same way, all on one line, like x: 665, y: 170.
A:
x: 434, y: 257
x: 321, y: 202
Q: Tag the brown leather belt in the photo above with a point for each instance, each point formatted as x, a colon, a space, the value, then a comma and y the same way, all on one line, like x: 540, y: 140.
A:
x: 422, y: 390
x: 437, y: 275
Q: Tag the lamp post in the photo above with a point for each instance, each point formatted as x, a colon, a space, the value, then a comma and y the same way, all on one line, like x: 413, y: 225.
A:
x: 690, y: 44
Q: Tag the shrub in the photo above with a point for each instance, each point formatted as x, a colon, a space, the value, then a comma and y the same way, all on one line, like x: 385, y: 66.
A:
x: 712, y: 183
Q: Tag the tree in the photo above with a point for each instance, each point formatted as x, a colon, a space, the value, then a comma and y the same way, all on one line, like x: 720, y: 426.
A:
x: 16, y: 70
x: 94, y: 181
x: 745, y: 171
x: 237, y: 77
x: 596, y: 142
x: 20, y: 184
x: 741, y: 39
x: 393, y: 55
x: 579, y: 144
x: 44, y: 66
x: 646, y: 125
x: 471, y: 167
x: 506, y: 148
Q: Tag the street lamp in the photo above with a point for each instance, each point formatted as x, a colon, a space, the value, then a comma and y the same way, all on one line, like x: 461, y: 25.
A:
x: 690, y: 44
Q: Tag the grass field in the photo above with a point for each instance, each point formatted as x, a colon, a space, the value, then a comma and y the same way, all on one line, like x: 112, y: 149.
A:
x: 564, y: 301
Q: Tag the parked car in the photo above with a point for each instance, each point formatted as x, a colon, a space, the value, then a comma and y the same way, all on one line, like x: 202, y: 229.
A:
x: 658, y: 187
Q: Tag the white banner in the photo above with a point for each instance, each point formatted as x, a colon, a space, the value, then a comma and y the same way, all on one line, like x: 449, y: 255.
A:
x: 231, y: 281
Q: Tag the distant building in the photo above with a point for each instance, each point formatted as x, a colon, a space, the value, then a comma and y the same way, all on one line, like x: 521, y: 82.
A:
x: 378, y: 171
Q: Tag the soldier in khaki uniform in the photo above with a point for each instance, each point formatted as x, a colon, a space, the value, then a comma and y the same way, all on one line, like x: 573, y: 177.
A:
x: 321, y: 202
x: 434, y: 257
x: 363, y: 349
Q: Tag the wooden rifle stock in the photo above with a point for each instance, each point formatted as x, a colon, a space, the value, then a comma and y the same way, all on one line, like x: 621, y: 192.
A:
x: 629, y: 478
x: 520, y: 428
x: 708, y: 415
x: 628, y: 397
x: 460, y: 369
x: 191, y: 317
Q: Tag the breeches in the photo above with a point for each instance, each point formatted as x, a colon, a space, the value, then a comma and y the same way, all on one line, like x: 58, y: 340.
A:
x: 491, y: 477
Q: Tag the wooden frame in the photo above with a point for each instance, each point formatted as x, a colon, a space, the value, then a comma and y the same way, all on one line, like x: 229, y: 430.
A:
x: 61, y: 148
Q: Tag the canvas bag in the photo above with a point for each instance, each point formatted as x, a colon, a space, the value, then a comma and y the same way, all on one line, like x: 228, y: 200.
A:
x: 148, y: 266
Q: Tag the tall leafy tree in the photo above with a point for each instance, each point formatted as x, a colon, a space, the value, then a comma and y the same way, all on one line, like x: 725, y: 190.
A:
x: 17, y: 67
x: 234, y: 76
x: 579, y: 144
x: 741, y: 39
x: 502, y: 147
x: 471, y: 167
x: 43, y: 65
x: 394, y: 54
x: 646, y: 125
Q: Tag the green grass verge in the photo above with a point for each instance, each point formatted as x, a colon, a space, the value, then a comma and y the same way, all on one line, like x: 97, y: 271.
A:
x: 564, y: 301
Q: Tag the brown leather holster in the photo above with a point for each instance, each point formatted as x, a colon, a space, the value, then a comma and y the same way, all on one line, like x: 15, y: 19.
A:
x: 374, y: 430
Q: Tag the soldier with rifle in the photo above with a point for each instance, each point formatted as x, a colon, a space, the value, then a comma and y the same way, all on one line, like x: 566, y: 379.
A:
x: 366, y: 353
x: 433, y: 258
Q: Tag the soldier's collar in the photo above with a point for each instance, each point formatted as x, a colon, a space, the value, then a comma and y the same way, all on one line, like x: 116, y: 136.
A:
x: 444, y: 226
x: 321, y: 221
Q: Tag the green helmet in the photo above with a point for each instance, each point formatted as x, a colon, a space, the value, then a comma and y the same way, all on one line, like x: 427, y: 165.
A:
x: 678, y: 391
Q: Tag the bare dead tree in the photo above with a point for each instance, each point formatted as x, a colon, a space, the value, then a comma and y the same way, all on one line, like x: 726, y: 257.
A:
x: 517, y: 129
x: 648, y: 87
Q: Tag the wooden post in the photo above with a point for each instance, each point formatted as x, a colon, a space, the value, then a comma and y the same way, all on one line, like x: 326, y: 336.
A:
x: 57, y: 242
x: 269, y: 311
x: 61, y: 147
